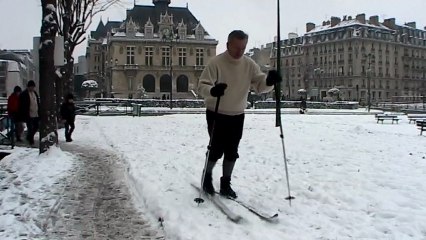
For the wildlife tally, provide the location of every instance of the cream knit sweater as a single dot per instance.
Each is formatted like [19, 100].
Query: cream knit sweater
[241, 76]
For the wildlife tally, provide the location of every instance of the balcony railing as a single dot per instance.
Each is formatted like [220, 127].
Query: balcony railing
[131, 67]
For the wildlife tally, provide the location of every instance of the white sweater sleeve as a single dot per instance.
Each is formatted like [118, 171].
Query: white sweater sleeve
[258, 81]
[207, 80]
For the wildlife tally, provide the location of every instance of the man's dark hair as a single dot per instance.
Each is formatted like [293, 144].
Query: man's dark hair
[237, 34]
[31, 83]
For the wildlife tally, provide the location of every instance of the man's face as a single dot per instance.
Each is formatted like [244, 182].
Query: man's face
[236, 47]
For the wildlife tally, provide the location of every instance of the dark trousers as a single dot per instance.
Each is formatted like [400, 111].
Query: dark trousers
[16, 127]
[69, 128]
[32, 128]
[227, 134]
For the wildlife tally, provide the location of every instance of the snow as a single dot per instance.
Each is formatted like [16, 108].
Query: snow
[25, 180]
[347, 23]
[351, 177]
[51, 7]
[89, 84]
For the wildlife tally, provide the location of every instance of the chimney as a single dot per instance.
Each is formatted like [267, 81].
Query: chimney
[324, 23]
[374, 20]
[309, 26]
[350, 18]
[390, 23]
[411, 24]
[335, 21]
[360, 18]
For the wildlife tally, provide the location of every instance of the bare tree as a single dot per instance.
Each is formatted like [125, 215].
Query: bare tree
[75, 17]
[48, 122]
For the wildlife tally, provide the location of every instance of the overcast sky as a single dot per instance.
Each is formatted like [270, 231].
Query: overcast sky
[20, 19]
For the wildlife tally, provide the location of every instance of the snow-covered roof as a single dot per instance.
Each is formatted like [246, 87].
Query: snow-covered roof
[346, 23]
[120, 34]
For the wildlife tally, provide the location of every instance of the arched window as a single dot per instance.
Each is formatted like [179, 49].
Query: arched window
[165, 83]
[149, 83]
[182, 84]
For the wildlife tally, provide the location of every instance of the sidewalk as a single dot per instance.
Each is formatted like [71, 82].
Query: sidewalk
[96, 203]
[92, 202]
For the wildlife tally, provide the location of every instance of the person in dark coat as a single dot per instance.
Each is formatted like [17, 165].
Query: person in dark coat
[13, 112]
[68, 116]
[303, 105]
[29, 105]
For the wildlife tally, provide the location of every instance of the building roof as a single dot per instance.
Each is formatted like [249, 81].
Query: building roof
[101, 30]
[140, 14]
[346, 23]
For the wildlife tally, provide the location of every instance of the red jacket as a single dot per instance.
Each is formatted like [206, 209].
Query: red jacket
[13, 104]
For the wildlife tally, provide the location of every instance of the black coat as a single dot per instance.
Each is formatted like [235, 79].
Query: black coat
[24, 105]
[68, 111]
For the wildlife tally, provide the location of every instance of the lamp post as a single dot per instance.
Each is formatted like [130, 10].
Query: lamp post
[317, 72]
[170, 37]
[369, 56]
[109, 66]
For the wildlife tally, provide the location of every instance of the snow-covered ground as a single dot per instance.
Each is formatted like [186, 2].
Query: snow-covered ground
[352, 178]
[27, 179]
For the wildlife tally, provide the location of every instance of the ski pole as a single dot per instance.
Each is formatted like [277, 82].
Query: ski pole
[199, 199]
[278, 101]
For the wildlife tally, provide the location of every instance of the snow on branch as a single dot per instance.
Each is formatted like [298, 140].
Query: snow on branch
[51, 7]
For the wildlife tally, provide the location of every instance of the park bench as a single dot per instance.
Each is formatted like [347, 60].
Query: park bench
[415, 117]
[382, 117]
[421, 124]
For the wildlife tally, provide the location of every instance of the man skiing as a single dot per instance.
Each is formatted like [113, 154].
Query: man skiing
[230, 76]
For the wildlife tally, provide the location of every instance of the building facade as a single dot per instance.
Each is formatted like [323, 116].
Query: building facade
[356, 56]
[14, 74]
[158, 51]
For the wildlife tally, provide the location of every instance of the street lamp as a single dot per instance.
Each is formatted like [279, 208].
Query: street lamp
[170, 37]
[317, 72]
[369, 56]
[109, 66]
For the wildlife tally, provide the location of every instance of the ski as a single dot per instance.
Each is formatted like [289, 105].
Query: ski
[220, 205]
[260, 214]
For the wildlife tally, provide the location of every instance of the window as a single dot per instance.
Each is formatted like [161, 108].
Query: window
[199, 57]
[130, 55]
[149, 54]
[182, 56]
[165, 56]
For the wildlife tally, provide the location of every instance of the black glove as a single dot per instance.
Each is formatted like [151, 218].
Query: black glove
[218, 89]
[273, 78]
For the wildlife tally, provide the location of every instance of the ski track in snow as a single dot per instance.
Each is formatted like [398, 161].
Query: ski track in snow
[352, 178]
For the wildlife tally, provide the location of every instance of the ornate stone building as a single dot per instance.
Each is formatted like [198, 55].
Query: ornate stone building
[355, 55]
[157, 51]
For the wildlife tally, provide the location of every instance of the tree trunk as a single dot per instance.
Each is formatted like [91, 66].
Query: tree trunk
[48, 122]
[60, 82]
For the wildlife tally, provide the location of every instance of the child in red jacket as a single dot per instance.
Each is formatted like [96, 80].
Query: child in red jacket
[13, 112]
